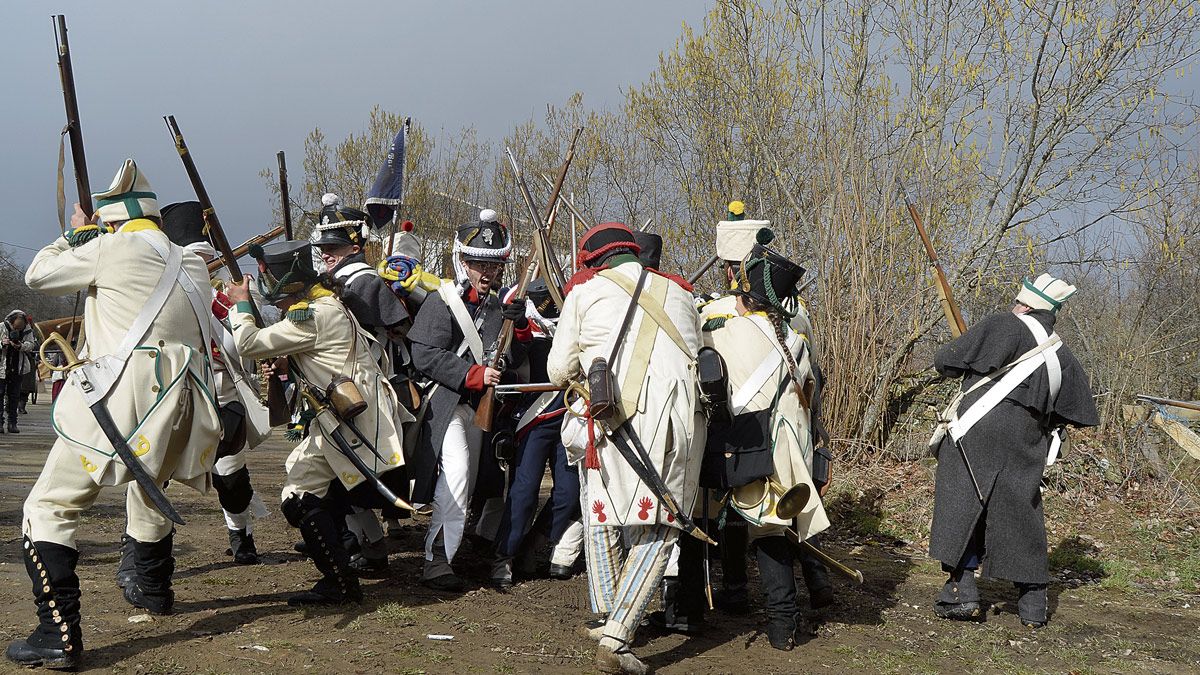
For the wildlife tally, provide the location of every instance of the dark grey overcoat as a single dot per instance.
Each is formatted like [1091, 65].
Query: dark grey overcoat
[435, 338]
[1006, 449]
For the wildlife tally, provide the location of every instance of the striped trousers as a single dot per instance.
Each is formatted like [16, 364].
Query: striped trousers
[621, 582]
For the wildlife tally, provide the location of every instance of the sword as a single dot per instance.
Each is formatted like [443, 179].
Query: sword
[319, 405]
[109, 427]
[707, 568]
[970, 472]
[623, 437]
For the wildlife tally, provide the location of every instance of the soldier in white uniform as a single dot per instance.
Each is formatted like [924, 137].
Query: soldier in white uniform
[162, 398]
[762, 444]
[323, 342]
[656, 390]
[340, 236]
[735, 240]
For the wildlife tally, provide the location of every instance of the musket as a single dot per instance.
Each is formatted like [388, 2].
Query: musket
[486, 410]
[74, 132]
[1186, 405]
[244, 248]
[695, 276]
[527, 388]
[949, 307]
[285, 200]
[320, 405]
[569, 205]
[106, 423]
[66, 74]
[277, 407]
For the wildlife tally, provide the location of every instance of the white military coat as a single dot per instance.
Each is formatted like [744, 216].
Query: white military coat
[745, 343]
[666, 413]
[167, 383]
[319, 347]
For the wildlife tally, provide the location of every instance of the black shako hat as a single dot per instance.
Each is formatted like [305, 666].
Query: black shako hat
[539, 294]
[339, 225]
[651, 253]
[486, 240]
[183, 223]
[284, 268]
[771, 279]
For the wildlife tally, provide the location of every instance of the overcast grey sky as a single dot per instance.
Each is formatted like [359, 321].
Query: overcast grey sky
[246, 78]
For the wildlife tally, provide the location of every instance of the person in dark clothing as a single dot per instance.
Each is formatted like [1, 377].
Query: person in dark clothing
[539, 445]
[16, 344]
[1021, 387]
[453, 341]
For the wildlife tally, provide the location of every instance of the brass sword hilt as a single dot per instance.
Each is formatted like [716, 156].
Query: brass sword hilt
[73, 360]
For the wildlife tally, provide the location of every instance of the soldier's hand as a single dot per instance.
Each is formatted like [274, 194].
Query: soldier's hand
[239, 292]
[491, 377]
[515, 312]
[79, 218]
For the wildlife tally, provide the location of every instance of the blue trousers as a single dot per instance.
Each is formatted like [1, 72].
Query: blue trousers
[539, 448]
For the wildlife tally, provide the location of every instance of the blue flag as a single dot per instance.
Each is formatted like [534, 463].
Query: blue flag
[387, 193]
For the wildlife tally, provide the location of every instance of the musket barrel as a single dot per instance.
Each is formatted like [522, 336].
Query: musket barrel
[284, 198]
[67, 74]
[215, 231]
[242, 250]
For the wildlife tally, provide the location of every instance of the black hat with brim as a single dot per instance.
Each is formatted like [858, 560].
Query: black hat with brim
[183, 223]
[770, 279]
[338, 236]
[285, 268]
[539, 294]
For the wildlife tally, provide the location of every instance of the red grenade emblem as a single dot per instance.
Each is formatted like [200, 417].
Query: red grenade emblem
[598, 509]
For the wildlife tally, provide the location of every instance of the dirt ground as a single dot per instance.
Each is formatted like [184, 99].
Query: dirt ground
[234, 619]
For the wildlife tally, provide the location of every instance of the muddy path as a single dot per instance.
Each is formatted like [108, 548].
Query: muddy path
[234, 619]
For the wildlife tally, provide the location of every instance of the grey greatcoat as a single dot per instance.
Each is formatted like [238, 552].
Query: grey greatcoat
[1006, 449]
[436, 340]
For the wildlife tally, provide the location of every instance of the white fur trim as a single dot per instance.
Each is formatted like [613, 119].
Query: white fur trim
[477, 251]
[321, 227]
[330, 199]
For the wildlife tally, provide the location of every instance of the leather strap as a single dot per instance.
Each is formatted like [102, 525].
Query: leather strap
[658, 313]
[1013, 374]
[458, 310]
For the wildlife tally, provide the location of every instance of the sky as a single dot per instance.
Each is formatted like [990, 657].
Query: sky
[247, 78]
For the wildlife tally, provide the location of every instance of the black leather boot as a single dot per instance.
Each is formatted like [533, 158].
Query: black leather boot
[777, 569]
[816, 578]
[323, 535]
[241, 547]
[959, 598]
[57, 642]
[734, 598]
[1032, 605]
[126, 574]
[154, 564]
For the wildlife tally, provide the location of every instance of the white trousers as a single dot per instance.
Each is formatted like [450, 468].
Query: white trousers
[64, 491]
[567, 549]
[456, 480]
